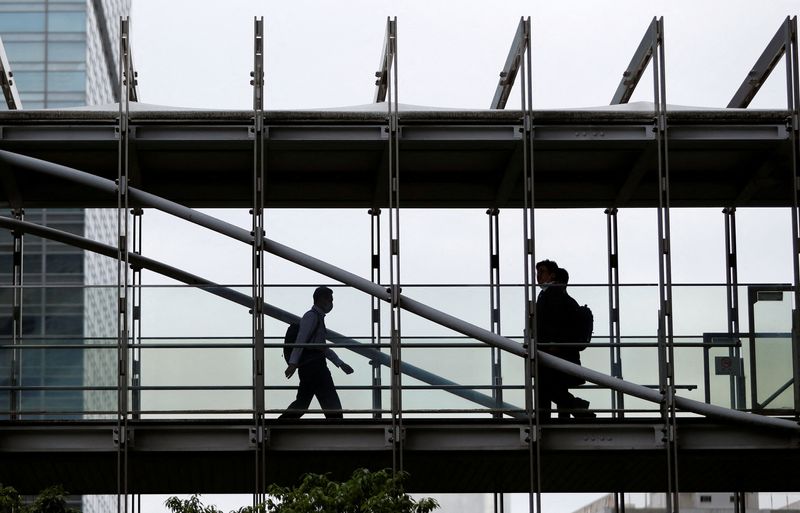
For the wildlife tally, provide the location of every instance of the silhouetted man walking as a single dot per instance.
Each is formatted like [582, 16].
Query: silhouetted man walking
[315, 378]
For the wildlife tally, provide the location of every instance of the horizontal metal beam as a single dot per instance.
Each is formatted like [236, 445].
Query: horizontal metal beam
[215, 456]
[761, 70]
[641, 58]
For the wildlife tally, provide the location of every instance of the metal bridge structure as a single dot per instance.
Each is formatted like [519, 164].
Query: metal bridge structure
[668, 435]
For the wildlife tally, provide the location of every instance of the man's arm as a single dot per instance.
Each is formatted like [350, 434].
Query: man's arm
[331, 355]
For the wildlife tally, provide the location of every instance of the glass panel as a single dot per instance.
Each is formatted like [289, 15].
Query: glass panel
[32, 81]
[66, 52]
[22, 22]
[66, 21]
[773, 351]
[64, 263]
[66, 80]
[24, 52]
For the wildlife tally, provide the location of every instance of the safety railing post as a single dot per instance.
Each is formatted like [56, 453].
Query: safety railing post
[258, 131]
[614, 334]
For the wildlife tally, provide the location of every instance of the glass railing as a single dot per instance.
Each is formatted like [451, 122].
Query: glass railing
[191, 353]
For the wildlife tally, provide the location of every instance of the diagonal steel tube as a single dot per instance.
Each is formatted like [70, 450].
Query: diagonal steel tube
[247, 301]
[145, 199]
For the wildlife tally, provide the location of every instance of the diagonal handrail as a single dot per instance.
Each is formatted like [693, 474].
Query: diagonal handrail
[240, 298]
[146, 199]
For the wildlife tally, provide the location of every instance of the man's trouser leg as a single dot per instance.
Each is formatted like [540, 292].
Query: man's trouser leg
[326, 394]
[305, 392]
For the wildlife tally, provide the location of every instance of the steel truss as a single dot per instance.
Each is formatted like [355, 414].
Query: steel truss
[518, 62]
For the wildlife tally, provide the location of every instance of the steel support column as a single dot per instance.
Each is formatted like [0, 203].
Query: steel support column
[258, 433]
[390, 65]
[732, 296]
[614, 337]
[375, 309]
[136, 324]
[494, 321]
[494, 306]
[793, 105]
[532, 407]
[665, 320]
[123, 284]
[16, 317]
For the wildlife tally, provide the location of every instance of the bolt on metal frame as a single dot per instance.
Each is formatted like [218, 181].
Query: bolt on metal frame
[259, 433]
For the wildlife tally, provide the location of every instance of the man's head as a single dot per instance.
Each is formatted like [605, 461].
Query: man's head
[546, 271]
[323, 298]
[561, 276]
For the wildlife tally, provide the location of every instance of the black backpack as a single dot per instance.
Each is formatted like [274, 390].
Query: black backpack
[583, 324]
[290, 338]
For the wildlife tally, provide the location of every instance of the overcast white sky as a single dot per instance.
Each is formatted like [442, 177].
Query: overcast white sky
[192, 53]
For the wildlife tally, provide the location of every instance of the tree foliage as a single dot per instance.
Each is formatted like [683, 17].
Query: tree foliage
[49, 500]
[364, 492]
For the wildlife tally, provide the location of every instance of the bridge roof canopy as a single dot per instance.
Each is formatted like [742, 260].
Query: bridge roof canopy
[339, 158]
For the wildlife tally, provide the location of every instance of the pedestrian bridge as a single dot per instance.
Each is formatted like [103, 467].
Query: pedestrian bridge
[449, 398]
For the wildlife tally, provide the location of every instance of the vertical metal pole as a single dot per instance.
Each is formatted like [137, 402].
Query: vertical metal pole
[123, 285]
[619, 502]
[494, 306]
[732, 295]
[614, 337]
[16, 283]
[528, 217]
[499, 506]
[394, 247]
[793, 105]
[375, 309]
[494, 321]
[257, 267]
[665, 335]
[136, 369]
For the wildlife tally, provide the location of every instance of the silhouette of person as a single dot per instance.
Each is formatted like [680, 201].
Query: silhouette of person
[554, 309]
[315, 378]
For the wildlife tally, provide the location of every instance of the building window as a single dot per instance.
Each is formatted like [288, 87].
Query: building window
[66, 80]
[30, 81]
[25, 51]
[705, 498]
[66, 52]
[66, 22]
[22, 22]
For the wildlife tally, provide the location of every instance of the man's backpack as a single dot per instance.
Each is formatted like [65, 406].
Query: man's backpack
[290, 338]
[583, 324]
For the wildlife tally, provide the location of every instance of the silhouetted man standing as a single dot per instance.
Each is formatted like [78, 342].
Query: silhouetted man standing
[315, 378]
[554, 314]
